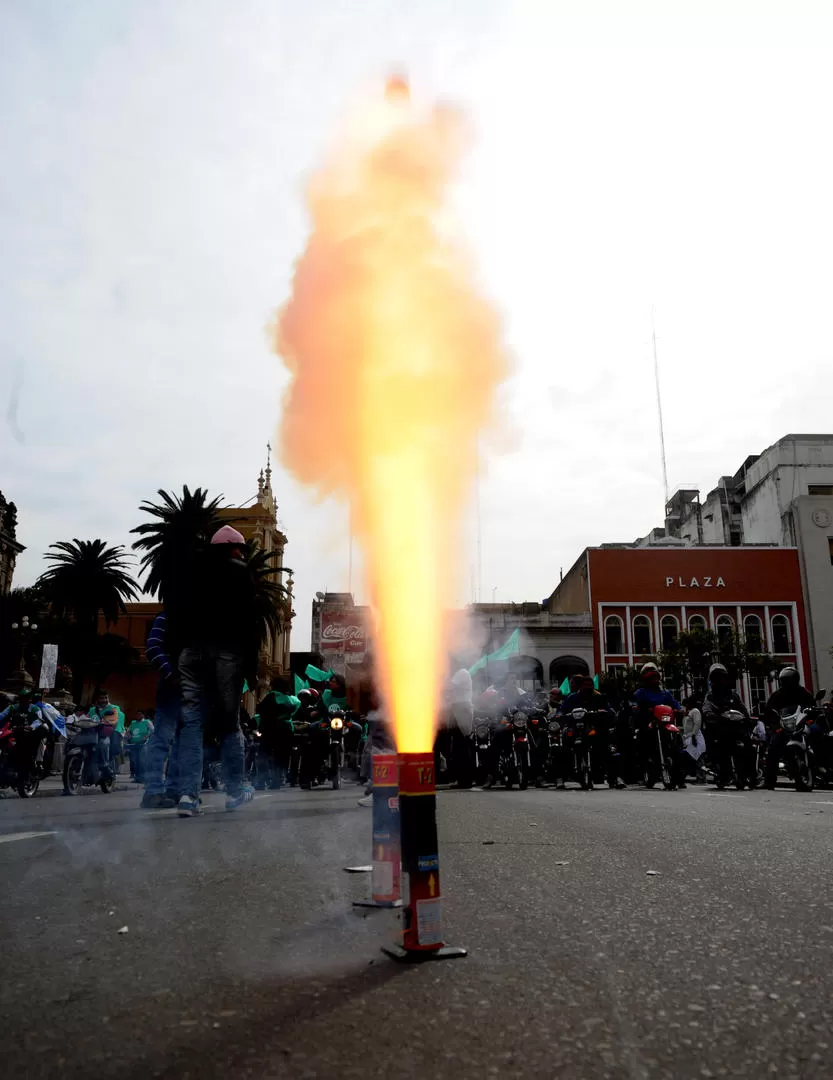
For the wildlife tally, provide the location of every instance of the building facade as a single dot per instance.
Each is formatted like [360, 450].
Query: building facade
[136, 688]
[783, 496]
[9, 547]
[640, 598]
[553, 646]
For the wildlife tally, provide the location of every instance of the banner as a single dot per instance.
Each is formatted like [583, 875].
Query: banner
[48, 667]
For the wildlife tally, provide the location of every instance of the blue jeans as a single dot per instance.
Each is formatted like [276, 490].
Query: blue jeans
[212, 685]
[115, 750]
[161, 747]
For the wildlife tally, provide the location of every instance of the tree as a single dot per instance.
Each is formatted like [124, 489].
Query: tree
[183, 526]
[272, 599]
[686, 662]
[87, 577]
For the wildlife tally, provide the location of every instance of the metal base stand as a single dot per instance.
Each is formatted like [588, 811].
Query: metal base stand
[420, 956]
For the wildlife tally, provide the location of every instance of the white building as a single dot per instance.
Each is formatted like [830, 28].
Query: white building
[783, 496]
[552, 646]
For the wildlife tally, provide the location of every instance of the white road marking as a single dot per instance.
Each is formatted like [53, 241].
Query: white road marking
[723, 795]
[24, 836]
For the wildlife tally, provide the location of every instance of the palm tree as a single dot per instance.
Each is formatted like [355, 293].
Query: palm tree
[86, 577]
[182, 527]
[272, 599]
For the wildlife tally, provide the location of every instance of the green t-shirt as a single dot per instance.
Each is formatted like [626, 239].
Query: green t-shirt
[96, 713]
[139, 730]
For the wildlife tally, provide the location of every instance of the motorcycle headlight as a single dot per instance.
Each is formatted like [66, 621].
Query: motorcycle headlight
[579, 714]
[520, 722]
[554, 725]
[482, 732]
[336, 723]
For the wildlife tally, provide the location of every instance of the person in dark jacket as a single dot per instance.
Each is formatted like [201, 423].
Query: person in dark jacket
[789, 695]
[721, 735]
[604, 721]
[160, 773]
[215, 627]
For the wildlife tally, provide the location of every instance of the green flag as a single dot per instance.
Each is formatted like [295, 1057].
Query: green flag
[300, 684]
[511, 647]
[287, 699]
[317, 675]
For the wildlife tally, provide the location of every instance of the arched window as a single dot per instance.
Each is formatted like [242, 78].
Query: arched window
[697, 624]
[753, 632]
[643, 639]
[781, 636]
[669, 629]
[725, 629]
[614, 636]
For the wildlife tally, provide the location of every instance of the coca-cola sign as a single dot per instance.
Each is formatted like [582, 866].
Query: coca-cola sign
[342, 631]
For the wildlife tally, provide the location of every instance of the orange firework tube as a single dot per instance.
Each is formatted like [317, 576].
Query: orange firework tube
[422, 937]
[385, 881]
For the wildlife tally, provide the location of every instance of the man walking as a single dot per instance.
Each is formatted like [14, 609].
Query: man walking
[160, 771]
[217, 626]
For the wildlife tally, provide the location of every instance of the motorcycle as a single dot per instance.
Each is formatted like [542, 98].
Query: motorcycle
[736, 751]
[798, 753]
[26, 780]
[82, 760]
[336, 752]
[554, 748]
[662, 745]
[576, 741]
[481, 738]
[514, 761]
[759, 752]
[537, 719]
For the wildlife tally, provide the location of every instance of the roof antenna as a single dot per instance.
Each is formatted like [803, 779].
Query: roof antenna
[659, 413]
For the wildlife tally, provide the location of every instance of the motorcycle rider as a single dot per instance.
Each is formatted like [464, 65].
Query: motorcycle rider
[114, 741]
[461, 717]
[720, 697]
[650, 693]
[789, 695]
[276, 712]
[29, 730]
[587, 697]
[311, 712]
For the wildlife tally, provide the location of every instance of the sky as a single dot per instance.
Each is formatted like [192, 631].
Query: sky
[670, 157]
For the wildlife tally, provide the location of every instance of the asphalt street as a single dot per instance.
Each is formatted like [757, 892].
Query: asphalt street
[243, 955]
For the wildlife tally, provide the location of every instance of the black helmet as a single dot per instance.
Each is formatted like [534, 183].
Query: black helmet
[718, 670]
[788, 676]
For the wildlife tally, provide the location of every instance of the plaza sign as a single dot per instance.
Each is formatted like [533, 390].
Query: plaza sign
[695, 583]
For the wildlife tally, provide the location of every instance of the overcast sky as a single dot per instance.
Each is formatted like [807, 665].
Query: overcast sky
[151, 207]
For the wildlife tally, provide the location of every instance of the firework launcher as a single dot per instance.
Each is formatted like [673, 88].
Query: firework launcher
[385, 879]
[422, 937]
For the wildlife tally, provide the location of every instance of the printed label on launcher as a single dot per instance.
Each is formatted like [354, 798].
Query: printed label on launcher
[429, 922]
[381, 882]
[428, 862]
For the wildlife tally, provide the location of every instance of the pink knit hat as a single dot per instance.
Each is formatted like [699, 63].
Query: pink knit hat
[227, 535]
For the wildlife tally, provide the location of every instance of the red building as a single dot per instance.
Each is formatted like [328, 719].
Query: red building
[641, 597]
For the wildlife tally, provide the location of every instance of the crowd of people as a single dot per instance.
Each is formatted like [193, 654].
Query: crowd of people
[204, 646]
[703, 735]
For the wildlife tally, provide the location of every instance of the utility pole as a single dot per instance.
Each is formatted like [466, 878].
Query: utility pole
[659, 413]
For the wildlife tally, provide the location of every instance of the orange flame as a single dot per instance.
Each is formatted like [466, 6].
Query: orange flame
[395, 357]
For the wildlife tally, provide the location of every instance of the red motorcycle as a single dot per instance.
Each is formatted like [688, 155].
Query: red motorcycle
[662, 749]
